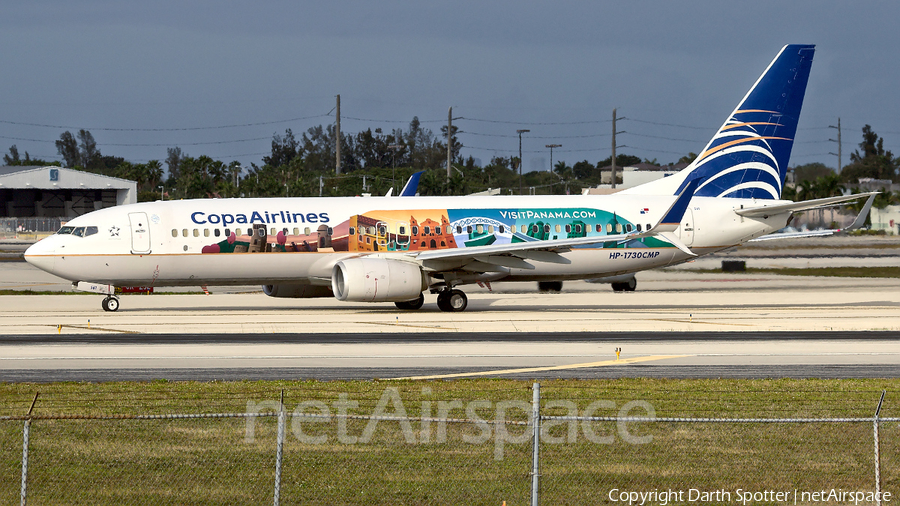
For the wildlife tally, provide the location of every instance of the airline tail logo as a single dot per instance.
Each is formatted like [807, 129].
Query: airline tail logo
[741, 158]
[748, 156]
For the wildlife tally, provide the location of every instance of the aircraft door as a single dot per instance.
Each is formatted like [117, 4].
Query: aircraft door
[140, 233]
[686, 230]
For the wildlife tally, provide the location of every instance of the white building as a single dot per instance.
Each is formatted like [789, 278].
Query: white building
[886, 219]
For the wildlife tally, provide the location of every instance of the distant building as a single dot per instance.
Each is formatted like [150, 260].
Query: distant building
[887, 219]
[631, 176]
[58, 192]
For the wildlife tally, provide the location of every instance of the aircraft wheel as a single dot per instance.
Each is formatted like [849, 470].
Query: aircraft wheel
[411, 304]
[550, 286]
[631, 284]
[618, 287]
[110, 304]
[453, 301]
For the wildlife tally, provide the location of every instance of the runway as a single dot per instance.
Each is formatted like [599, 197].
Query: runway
[677, 324]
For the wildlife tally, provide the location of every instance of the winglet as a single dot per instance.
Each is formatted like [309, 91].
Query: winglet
[412, 185]
[861, 217]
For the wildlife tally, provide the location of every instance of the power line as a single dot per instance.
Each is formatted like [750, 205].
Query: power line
[535, 136]
[536, 124]
[102, 129]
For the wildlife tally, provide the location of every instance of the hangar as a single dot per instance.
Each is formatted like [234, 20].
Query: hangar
[58, 192]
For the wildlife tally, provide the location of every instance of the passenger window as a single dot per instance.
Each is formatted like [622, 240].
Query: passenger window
[558, 228]
[205, 232]
[273, 232]
[90, 231]
[501, 228]
[458, 229]
[490, 229]
[427, 230]
[306, 231]
[351, 232]
[437, 230]
[174, 232]
[479, 229]
[227, 232]
[415, 230]
[469, 229]
[535, 228]
[184, 232]
[216, 232]
[648, 227]
[401, 230]
[618, 228]
[628, 227]
[297, 231]
[196, 233]
[237, 231]
[609, 228]
[599, 228]
[638, 227]
[568, 228]
[546, 229]
[577, 229]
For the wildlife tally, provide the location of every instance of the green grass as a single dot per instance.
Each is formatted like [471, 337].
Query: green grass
[208, 461]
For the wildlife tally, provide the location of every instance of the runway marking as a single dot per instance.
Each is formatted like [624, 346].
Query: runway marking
[690, 322]
[102, 329]
[547, 368]
[395, 324]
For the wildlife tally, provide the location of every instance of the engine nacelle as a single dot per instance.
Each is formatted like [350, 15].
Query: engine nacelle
[377, 280]
[296, 291]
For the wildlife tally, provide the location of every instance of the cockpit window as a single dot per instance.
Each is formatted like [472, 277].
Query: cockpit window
[65, 230]
[78, 232]
[90, 231]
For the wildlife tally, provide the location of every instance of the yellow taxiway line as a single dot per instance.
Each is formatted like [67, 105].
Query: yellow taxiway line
[544, 369]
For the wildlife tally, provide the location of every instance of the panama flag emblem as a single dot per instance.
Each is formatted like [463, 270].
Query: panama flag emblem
[645, 210]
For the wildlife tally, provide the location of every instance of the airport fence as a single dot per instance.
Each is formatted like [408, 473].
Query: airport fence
[384, 449]
[28, 229]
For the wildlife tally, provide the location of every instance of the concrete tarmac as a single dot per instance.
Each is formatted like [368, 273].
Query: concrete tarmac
[677, 324]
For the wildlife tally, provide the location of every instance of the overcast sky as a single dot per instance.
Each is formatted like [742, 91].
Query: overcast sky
[134, 72]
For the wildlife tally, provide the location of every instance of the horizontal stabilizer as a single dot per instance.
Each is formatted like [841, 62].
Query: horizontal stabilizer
[800, 206]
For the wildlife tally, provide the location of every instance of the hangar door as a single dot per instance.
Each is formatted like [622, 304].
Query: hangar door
[140, 233]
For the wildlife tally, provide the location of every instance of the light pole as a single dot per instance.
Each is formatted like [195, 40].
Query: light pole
[551, 146]
[520, 132]
[162, 190]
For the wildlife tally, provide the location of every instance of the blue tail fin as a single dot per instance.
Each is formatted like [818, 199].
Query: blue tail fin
[748, 156]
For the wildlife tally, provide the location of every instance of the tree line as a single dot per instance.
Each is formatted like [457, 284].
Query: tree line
[374, 161]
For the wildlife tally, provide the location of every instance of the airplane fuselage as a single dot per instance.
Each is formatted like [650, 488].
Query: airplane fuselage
[210, 242]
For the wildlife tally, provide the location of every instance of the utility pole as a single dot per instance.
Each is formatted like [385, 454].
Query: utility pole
[613, 159]
[449, 139]
[551, 146]
[838, 141]
[394, 148]
[520, 132]
[337, 137]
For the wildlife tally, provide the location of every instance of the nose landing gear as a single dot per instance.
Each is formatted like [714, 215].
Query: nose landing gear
[110, 303]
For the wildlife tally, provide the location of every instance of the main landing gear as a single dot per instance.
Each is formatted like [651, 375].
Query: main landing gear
[625, 286]
[452, 300]
[449, 300]
[411, 305]
[110, 303]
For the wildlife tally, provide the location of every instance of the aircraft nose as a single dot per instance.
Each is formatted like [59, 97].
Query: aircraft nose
[40, 255]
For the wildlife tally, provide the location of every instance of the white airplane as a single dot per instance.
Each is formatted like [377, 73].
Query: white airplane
[392, 249]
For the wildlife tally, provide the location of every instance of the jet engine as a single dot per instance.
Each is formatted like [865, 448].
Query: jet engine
[296, 291]
[377, 280]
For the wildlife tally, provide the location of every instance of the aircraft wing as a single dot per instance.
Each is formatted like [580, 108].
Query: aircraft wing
[514, 255]
[858, 222]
